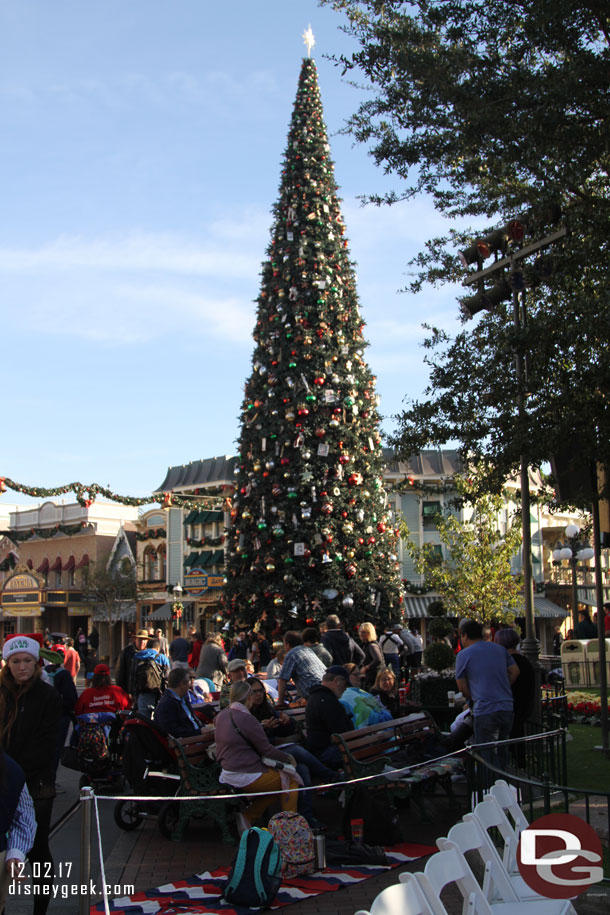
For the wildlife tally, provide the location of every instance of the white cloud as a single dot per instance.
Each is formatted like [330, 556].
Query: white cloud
[133, 252]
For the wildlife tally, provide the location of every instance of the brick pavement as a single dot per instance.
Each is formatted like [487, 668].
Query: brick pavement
[145, 859]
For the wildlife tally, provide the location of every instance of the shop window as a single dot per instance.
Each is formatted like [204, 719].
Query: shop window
[161, 554]
[429, 511]
[57, 579]
[151, 565]
[71, 578]
[436, 553]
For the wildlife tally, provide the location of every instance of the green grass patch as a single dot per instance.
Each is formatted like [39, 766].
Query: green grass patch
[587, 767]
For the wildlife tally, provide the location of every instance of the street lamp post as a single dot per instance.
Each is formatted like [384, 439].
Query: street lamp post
[574, 551]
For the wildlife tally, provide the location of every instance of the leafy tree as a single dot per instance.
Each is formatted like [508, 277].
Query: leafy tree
[475, 579]
[311, 531]
[498, 108]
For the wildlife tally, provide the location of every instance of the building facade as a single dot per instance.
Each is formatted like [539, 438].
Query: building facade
[59, 546]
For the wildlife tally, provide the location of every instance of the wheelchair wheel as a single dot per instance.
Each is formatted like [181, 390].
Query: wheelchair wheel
[168, 818]
[127, 815]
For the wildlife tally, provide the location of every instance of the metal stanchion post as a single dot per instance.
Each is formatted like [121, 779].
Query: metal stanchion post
[86, 802]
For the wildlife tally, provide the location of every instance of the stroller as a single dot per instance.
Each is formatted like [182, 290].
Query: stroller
[149, 767]
[95, 749]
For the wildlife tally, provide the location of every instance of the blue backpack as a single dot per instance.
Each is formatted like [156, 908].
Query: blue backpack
[256, 874]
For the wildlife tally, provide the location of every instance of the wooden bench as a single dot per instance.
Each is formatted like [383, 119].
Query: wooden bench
[199, 775]
[368, 751]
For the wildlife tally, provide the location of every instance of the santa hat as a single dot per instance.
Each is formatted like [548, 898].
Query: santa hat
[19, 643]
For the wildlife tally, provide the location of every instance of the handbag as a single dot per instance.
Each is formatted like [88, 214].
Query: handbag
[266, 760]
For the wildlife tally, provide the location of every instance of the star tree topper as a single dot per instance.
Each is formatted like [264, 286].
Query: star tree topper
[308, 39]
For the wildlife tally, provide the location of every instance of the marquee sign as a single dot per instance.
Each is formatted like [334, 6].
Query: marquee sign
[196, 582]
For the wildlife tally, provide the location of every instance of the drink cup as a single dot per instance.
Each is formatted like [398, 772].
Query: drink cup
[451, 698]
[357, 830]
[402, 695]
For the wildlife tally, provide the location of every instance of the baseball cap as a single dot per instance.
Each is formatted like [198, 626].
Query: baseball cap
[101, 669]
[236, 663]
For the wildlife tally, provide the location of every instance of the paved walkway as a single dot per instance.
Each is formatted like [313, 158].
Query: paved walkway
[145, 859]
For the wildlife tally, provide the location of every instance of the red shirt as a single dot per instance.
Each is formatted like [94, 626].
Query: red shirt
[101, 699]
[71, 661]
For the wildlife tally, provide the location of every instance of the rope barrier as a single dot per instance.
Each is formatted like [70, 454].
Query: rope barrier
[394, 773]
[100, 849]
[88, 794]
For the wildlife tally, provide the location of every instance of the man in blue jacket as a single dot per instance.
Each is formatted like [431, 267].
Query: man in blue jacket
[174, 714]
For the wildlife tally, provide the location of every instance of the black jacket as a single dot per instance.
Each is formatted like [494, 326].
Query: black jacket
[342, 647]
[33, 737]
[123, 666]
[324, 715]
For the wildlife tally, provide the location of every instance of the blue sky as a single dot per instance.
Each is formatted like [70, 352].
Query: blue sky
[141, 151]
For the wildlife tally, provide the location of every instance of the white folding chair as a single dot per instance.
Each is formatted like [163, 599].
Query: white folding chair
[450, 867]
[405, 898]
[507, 799]
[490, 815]
[496, 883]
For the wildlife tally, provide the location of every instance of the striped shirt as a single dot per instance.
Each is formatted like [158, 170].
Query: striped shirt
[23, 828]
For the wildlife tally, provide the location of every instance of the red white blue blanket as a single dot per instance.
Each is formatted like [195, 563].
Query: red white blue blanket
[201, 894]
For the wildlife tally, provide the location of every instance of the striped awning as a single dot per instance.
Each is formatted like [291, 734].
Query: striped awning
[546, 609]
[417, 607]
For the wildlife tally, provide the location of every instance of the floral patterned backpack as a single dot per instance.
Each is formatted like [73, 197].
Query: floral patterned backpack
[294, 838]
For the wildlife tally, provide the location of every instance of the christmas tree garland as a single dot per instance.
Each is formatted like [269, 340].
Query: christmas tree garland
[87, 494]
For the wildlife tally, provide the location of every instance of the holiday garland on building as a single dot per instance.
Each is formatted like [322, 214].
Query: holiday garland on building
[311, 529]
[210, 498]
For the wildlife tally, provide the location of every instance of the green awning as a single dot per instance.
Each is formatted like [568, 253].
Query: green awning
[211, 557]
[208, 516]
[190, 518]
[191, 560]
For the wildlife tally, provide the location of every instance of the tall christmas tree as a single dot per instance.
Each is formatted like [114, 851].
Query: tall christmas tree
[311, 530]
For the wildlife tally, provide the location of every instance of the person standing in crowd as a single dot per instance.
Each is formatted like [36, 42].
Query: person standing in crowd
[213, 662]
[341, 645]
[71, 658]
[557, 640]
[178, 651]
[585, 627]
[485, 673]
[418, 646]
[94, 639]
[523, 688]
[149, 673]
[373, 657]
[300, 665]
[125, 659]
[81, 643]
[311, 639]
[30, 711]
[239, 649]
[391, 645]
[195, 646]
[163, 643]
[60, 679]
